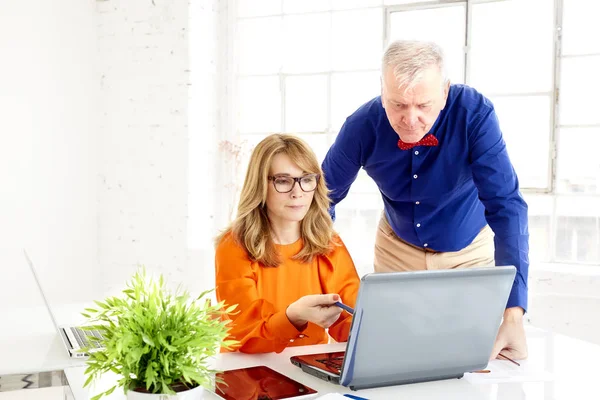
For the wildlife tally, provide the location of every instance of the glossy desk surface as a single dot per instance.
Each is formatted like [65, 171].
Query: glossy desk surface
[558, 367]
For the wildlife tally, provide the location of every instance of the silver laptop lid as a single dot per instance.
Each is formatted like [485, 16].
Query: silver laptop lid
[39, 285]
[415, 326]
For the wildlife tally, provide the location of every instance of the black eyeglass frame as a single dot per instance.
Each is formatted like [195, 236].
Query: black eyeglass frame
[296, 180]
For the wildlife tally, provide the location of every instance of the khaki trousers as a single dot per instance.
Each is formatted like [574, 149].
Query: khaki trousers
[393, 254]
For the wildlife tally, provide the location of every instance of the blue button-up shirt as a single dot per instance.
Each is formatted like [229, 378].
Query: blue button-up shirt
[440, 197]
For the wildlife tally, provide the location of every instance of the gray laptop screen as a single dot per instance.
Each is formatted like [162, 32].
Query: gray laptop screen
[428, 323]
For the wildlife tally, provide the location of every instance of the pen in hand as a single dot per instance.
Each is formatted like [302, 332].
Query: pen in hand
[509, 359]
[341, 305]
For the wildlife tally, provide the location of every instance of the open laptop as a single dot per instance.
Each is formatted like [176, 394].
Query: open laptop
[418, 326]
[75, 338]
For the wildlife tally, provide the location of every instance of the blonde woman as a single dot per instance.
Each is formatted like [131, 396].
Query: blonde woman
[280, 259]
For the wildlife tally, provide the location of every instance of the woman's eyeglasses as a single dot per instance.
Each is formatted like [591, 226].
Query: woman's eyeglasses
[285, 184]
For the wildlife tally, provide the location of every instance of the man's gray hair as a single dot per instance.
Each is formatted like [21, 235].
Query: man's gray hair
[410, 58]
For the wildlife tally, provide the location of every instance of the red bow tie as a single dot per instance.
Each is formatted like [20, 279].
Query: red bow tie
[428, 140]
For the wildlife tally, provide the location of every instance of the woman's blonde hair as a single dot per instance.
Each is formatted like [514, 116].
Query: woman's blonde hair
[252, 229]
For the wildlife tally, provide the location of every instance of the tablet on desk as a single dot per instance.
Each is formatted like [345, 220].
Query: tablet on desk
[260, 383]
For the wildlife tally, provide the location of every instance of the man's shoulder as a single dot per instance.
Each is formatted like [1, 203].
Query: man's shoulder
[468, 110]
[468, 98]
[370, 111]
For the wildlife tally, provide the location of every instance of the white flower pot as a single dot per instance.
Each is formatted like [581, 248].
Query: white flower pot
[196, 393]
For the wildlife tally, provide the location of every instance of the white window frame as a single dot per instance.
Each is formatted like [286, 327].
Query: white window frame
[229, 98]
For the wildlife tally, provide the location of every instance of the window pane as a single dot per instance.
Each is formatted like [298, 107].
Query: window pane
[349, 91]
[307, 41]
[252, 8]
[318, 142]
[306, 103]
[443, 25]
[362, 186]
[259, 104]
[581, 30]
[578, 162]
[348, 4]
[580, 85]
[297, 6]
[578, 229]
[258, 45]
[525, 124]
[357, 48]
[540, 214]
[520, 59]
[356, 221]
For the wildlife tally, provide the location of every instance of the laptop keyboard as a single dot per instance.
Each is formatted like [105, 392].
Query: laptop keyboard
[332, 362]
[82, 337]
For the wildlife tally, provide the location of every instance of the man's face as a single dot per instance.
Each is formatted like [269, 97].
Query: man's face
[413, 112]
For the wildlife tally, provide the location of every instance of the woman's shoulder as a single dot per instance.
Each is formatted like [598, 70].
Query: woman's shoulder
[227, 244]
[338, 258]
[337, 247]
[224, 239]
[336, 241]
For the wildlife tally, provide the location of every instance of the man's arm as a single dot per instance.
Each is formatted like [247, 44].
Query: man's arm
[505, 208]
[506, 213]
[342, 163]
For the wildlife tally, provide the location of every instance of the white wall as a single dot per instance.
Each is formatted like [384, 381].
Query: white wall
[95, 100]
[145, 142]
[208, 116]
[48, 129]
[143, 145]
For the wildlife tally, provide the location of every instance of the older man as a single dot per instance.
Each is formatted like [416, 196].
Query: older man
[451, 196]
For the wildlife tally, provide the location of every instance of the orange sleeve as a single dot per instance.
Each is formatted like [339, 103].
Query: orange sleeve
[258, 326]
[342, 279]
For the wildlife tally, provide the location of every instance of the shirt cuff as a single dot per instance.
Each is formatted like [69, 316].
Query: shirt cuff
[280, 326]
[518, 297]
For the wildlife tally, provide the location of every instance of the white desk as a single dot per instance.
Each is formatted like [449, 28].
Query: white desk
[30, 343]
[33, 345]
[564, 368]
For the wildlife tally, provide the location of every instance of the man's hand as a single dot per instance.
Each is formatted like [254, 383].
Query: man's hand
[316, 308]
[511, 336]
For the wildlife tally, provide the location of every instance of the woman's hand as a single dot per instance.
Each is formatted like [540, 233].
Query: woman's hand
[316, 308]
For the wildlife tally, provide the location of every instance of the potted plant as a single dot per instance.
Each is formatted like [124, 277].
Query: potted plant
[158, 342]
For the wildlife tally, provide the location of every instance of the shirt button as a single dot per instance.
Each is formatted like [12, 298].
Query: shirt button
[301, 336]
[418, 225]
[417, 202]
[291, 340]
[415, 176]
[425, 245]
[416, 152]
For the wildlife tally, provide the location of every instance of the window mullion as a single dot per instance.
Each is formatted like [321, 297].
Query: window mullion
[468, 36]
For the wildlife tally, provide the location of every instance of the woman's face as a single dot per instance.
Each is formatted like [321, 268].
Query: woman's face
[290, 207]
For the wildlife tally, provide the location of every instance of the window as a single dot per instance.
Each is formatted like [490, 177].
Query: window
[302, 66]
[444, 25]
[578, 135]
[514, 68]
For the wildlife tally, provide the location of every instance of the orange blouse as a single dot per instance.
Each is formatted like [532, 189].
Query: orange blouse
[264, 293]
